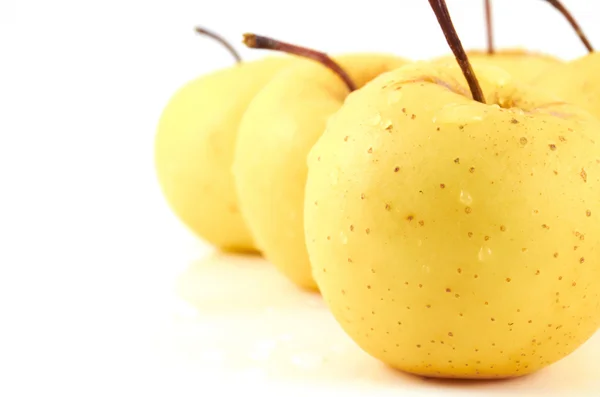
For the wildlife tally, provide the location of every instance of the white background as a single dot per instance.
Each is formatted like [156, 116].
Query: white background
[89, 253]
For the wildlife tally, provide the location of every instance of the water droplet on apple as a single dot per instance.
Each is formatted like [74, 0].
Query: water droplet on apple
[459, 113]
[394, 97]
[465, 198]
[343, 238]
[484, 253]
[386, 124]
[376, 119]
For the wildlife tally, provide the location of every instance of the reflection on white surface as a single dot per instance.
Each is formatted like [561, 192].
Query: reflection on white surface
[170, 326]
[255, 318]
[244, 322]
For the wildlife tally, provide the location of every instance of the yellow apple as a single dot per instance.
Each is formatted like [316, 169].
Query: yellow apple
[281, 124]
[194, 150]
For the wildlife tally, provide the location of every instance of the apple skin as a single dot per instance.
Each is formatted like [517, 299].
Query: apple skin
[278, 129]
[523, 65]
[194, 150]
[455, 239]
[577, 82]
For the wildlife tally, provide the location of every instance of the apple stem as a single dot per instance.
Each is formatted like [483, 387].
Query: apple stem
[561, 8]
[218, 38]
[489, 27]
[443, 16]
[266, 43]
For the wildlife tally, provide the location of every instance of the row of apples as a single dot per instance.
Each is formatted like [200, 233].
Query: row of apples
[445, 209]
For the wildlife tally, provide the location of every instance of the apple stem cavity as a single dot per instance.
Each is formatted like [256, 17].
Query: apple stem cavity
[443, 16]
[489, 27]
[221, 40]
[561, 8]
[266, 43]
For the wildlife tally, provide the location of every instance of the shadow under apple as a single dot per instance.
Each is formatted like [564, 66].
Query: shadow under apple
[246, 318]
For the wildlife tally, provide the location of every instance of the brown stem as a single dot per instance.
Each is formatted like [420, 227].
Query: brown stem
[489, 27]
[561, 8]
[443, 16]
[267, 43]
[218, 38]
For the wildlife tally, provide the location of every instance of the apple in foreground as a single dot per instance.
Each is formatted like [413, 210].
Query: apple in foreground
[455, 234]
